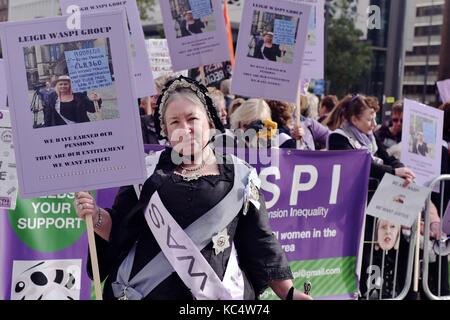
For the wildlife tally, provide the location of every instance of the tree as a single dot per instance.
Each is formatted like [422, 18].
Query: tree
[348, 58]
[144, 6]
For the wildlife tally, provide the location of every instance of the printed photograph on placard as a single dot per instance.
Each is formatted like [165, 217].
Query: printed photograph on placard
[192, 17]
[273, 37]
[422, 136]
[70, 83]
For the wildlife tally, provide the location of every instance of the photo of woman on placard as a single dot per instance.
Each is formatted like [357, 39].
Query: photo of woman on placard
[66, 107]
[267, 50]
[189, 25]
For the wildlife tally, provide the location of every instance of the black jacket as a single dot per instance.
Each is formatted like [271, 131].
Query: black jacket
[260, 255]
[377, 171]
[82, 104]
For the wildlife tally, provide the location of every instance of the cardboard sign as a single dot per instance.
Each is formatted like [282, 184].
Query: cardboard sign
[263, 68]
[60, 144]
[398, 204]
[194, 41]
[143, 78]
[421, 147]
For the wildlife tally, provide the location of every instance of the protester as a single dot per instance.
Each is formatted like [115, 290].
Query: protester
[219, 102]
[208, 188]
[236, 103]
[390, 135]
[65, 107]
[356, 121]
[309, 105]
[310, 132]
[326, 105]
[149, 135]
[253, 126]
[225, 88]
[147, 107]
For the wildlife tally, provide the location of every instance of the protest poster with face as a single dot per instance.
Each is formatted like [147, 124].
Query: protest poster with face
[195, 32]
[66, 140]
[314, 59]
[270, 49]
[141, 64]
[421, 147]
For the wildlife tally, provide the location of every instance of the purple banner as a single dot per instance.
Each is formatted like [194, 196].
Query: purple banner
[43, 251]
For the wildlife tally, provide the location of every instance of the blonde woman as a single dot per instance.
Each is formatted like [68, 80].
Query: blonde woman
[66, 107]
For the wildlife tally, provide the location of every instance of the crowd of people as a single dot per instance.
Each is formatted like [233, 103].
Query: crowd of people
[200, 184]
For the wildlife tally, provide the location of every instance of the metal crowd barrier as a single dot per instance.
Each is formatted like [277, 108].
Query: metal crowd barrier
[379, 290]
[426, 263]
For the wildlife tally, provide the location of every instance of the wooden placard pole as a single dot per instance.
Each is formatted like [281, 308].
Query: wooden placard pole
[93, 255]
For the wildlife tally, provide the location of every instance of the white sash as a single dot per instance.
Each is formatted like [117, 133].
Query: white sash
[187, 260]
[58, 110]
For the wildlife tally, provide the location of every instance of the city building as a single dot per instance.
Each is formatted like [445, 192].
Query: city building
[3, 10]
[444, 61]
[421, 66]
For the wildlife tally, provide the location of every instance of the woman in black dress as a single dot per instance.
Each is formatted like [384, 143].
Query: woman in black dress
[267, 50]
[66, 107]
[212, 199]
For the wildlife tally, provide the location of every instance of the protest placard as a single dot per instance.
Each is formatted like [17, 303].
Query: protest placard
[396, 203]
[60, 143]
[444, 90]
[263, 68]
[158, 52]
[2, 85]
[8, 172]
[194, 42]
[421, 147]
[141, 63]
[314, 59]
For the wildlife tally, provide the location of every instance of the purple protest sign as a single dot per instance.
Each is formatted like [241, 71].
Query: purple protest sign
[316, 203]
[421, 147]
[194, 42]
[43, 251]
[77, 142]
[143, 77]
[263, 68]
